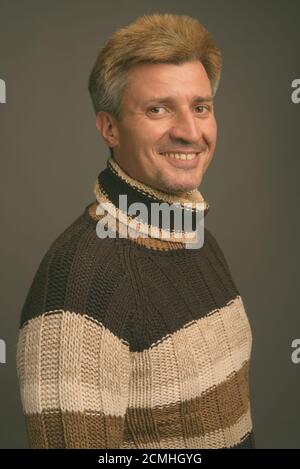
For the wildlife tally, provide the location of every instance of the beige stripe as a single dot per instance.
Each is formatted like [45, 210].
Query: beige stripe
[50, 355]
[74, 363]
[105, 371]
[28, 365]
[68, 361]
[191, 360]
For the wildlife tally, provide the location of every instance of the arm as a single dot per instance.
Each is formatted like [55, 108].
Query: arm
[74, 381]
[73, 358]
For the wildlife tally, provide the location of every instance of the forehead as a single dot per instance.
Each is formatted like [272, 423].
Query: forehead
[188, 79]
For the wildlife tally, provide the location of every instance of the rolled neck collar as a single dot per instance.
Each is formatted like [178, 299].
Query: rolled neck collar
[114, 182]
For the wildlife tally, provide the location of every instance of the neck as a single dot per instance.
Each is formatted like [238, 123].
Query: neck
[130, 203]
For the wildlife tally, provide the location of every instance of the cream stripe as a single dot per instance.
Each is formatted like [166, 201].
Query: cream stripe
[127, 222]
[193, 359]
[73, 364]
[105, 371]
[94, 365]
[29, 346]
[49, 356]
[70, 339]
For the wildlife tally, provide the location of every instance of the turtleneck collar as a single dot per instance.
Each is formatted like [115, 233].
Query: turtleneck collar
[120, 213]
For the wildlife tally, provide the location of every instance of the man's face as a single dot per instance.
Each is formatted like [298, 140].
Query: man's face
[165, 115]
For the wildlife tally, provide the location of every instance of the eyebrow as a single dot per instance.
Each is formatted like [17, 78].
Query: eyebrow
[163, 99]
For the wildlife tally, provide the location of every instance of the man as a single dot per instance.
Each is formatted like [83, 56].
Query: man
[131, 340]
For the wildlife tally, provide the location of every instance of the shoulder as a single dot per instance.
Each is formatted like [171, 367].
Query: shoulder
[213, 245]
[79, 273]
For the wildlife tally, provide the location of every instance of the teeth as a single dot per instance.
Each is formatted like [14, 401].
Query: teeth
[181, 156]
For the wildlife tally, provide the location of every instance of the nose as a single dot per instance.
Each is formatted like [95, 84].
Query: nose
[185, 128]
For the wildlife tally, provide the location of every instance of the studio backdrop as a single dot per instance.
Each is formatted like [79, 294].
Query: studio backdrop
[51, 151]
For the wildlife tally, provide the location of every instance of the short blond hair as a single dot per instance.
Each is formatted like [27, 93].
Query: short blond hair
[156, 38]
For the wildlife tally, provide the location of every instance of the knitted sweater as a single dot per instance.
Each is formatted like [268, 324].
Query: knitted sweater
[134, 342]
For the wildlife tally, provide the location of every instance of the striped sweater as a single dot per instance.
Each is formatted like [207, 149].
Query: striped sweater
[134, 342]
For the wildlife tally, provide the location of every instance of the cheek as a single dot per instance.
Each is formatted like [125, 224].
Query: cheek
[211, 132]
[153, 132]
[130, 137]
[215, 129]
[146, 134]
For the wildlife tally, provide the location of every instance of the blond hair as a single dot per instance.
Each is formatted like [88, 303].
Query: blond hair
[156, 38]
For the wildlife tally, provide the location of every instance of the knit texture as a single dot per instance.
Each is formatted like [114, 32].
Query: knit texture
[134, 342]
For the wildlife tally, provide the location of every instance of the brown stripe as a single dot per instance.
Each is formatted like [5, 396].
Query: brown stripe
[99, 431]
[217, 409]
[35, 431]
[54, 430]
[74, 430]
[227, 438]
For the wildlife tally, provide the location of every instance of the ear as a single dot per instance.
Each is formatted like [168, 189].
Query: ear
[107, 128]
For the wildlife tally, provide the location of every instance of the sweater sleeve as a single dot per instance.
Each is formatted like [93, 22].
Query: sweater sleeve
[73, 358]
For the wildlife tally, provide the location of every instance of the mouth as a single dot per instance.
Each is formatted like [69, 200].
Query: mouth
[182, 156]
[182, 160]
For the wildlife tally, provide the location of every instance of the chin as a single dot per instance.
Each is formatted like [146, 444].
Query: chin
[172, 181]
[188, 184]
[182, 186]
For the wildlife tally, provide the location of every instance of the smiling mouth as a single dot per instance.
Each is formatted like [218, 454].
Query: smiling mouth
[180, 156]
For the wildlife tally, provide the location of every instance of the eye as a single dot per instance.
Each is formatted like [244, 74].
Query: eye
[202, 107]
[155, 107]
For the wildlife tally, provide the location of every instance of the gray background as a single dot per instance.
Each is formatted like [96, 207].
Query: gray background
[51, 154]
